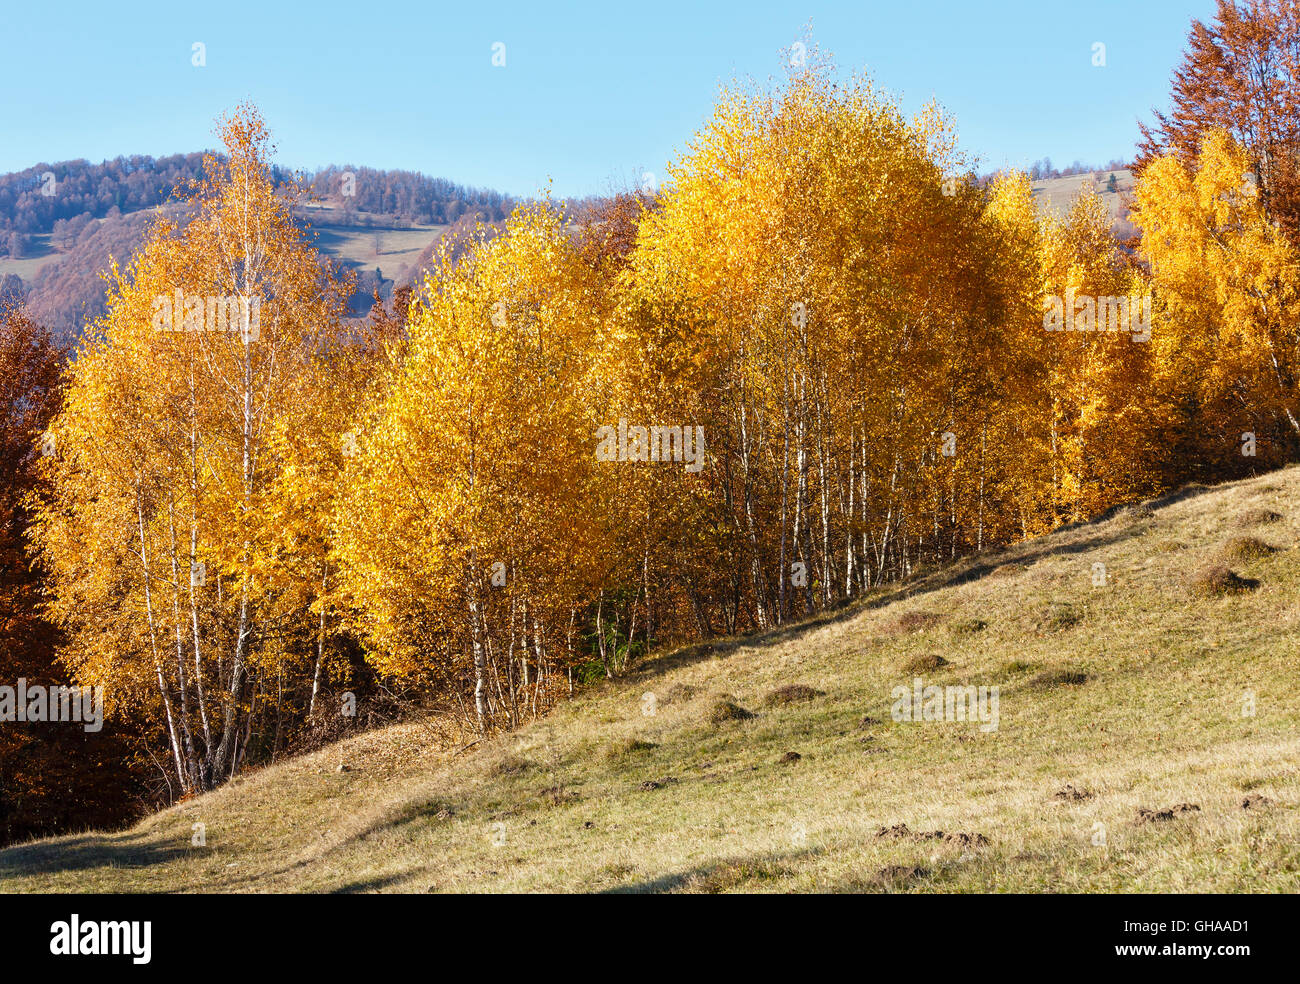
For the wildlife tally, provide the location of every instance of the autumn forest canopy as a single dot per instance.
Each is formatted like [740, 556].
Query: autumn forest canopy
[820, 359]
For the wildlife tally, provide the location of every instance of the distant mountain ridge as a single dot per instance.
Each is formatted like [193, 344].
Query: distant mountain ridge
[62, 223]
[34, 200]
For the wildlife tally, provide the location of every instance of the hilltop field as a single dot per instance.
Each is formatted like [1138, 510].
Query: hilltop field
[1146, 741]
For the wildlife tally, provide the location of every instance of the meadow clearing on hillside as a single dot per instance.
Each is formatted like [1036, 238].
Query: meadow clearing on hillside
[1147, 742]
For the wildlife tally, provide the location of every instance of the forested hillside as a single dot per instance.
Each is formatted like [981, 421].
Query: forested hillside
[61, 223]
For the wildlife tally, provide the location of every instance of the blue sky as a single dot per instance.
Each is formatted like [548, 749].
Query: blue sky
[592, 94]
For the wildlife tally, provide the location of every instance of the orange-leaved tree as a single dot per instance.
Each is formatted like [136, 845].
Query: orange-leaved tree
[160, 526]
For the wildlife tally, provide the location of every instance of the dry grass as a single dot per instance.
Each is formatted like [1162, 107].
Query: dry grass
[792, 693]
[726, 710]
[1187, 701]
[917, 621]
[679, 693]
[1217, 580]
[626, 747]
[924, 663]
[1241, 549]
[1256, 517]
[1058, 617]
[1051, 679]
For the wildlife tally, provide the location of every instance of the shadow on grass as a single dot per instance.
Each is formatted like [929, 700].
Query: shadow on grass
[369, 885]
[719, 876]
[125, 850]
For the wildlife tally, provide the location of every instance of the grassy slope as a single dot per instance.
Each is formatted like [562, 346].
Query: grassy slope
[1055, 195]
[1158, 722]
[355, 245]
[39, 253]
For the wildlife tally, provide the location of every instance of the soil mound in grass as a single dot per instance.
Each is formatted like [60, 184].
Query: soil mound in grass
[1244, 548]
[1051, 679]
[918, 621]
[1256, 517]
[925, 663]
[1218, 580]
[793, 694]
[900, 831]
[1072, 793]
[727, 710]
[1161, 816]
